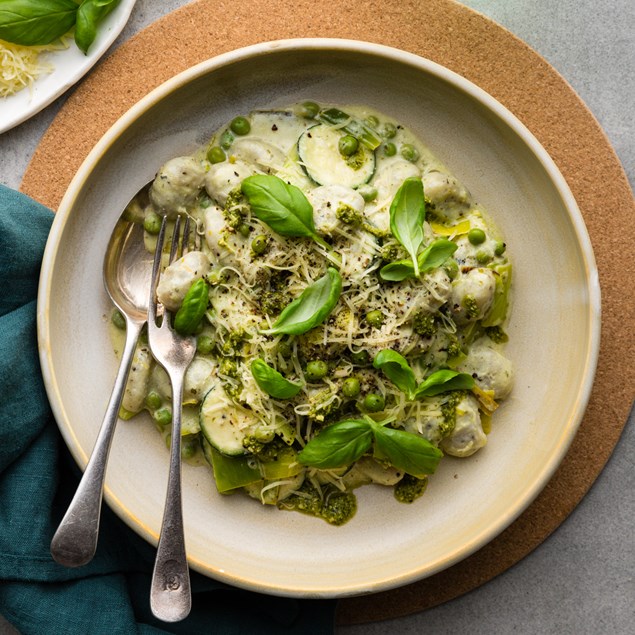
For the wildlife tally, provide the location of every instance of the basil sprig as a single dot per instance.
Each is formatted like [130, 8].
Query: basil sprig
[272, 382]
[344, 442]
[282, 206]
[433, 256]
[39, 22]
[407, 213]
[312, 307]
[396, 368]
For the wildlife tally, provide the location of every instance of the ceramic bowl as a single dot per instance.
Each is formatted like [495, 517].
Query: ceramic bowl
[554, 328]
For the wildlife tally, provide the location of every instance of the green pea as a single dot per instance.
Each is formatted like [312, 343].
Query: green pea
[389, 131]
[390, 149]
[189, 446]
[259, 244]
[483, 257]
[348, 145]
[309, 110]
[204, 344]
[163, 416]
[375, 318]
[360, 358]
[152, 222]
[216, 276]
[452, 268]
[368, 192]
[244, 230]
[500, 248]
[476, 236]
[351, 387]
[374, 402]
[204, 200]
[316, 370]
[285, 349]
[409, 152]
[240, 126]
[216, 154]
[226, 140]
[153, 400]
[118, 319]
[371, 121]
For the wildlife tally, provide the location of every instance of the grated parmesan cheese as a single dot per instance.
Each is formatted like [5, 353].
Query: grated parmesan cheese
[20, 65]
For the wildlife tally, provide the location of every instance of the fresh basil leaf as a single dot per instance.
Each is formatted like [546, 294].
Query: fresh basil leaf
[35, 22]
[192, 309]
[340, 444]
[407, 213]
[443, 381]
[344, 121]
[406, 451]
[312, 307]
[89, 15]
[397, 271]
[272, 382]
[283, 206]
[433, 256]
[397, 369]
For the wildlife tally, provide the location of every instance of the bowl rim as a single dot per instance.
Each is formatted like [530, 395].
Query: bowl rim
[396, 56]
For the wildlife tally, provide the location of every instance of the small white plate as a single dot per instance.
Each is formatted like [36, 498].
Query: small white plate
[70, 65]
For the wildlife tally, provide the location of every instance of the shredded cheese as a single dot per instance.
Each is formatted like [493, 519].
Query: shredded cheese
[20, 65]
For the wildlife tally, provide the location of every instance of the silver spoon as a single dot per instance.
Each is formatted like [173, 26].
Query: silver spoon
[127, 274]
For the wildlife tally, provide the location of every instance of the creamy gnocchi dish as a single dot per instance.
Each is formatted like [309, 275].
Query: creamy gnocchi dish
[349, 300]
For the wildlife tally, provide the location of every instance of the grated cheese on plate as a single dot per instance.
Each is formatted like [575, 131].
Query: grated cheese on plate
[20, 65]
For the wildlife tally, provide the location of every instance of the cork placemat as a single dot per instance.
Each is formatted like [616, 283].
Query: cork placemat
[491, 57]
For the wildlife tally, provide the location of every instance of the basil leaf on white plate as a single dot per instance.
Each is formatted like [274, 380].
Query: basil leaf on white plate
[36, 22]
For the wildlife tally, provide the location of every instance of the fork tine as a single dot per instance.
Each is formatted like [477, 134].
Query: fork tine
[185, 243]
[175, 239]
[156, 269]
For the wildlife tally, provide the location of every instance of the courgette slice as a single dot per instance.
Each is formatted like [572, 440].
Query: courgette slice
[321, 159]
[224, 423]
[231, 472]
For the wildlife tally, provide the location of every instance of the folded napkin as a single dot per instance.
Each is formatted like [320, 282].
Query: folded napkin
[38, 478]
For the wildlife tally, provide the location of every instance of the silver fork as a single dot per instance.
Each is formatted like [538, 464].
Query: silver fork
[170, 593]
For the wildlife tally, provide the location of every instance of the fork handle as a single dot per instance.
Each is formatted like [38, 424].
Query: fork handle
[170, 594]
[75, 540]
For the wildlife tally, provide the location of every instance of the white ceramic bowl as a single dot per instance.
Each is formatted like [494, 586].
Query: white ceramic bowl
[554, 331]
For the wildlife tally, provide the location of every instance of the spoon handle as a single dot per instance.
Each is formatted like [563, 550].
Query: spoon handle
[75, 540]
[170, 594]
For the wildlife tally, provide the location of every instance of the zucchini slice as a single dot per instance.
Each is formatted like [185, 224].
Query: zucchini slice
[224, 423]
[321, 159]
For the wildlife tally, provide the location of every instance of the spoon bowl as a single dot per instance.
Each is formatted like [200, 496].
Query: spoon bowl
[127, 273]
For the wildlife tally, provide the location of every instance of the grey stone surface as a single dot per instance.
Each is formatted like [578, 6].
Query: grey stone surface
[581, 580]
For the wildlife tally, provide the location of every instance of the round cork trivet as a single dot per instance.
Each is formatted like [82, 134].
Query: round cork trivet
[494, 59]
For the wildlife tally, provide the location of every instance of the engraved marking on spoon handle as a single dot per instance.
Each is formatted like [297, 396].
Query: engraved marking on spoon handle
[170, 595]
[75, 540]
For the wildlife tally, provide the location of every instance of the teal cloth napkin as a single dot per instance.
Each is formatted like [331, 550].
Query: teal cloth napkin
[38, 478]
